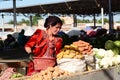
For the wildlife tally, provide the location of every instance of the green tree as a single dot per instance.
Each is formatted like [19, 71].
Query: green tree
[105, 20]
[93, 20]
[36, 18]
[79, 21]
[11, 22]
[83, 21]
[86, 21]
[24, 21]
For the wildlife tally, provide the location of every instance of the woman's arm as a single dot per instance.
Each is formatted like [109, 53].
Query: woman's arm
[32, 41]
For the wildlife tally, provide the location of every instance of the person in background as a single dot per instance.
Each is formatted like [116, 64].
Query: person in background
[1, 45]
[46, 43]
[21, 38]
[9, 41]
[83, 35]
[101, 32]
[65, 37]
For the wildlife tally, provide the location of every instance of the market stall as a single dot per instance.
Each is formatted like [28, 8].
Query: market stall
[79, 61]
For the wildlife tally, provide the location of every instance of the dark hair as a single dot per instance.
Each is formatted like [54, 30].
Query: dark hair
[52, 20]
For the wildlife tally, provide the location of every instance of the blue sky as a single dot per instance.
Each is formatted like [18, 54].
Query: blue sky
[20, 3]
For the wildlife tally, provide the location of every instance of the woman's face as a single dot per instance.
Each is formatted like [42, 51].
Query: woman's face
[55, 29]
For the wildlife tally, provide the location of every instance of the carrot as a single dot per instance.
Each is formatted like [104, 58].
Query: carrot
[75, 43]
[86, 47]
[81, 45]
[90, 52]
[81, 49]
[91, 46]
[89, 49]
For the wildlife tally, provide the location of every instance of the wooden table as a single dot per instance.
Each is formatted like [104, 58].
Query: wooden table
[20, 64]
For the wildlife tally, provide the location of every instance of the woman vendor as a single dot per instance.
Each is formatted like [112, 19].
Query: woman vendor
[45, 44]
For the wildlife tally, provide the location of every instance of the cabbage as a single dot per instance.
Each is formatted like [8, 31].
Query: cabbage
[117, 43]
[115, 51]
[109, 44]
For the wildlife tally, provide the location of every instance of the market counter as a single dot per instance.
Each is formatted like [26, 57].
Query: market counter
[112, 73]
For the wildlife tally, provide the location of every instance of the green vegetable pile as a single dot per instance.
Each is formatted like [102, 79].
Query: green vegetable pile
[113, 45]
[16, 75]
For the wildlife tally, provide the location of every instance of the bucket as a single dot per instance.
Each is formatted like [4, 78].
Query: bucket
[42, 63]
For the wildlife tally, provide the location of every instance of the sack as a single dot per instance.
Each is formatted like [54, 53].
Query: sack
[41, 63]
[72, 65]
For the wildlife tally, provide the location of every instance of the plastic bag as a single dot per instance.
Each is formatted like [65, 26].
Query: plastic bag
[72, 65]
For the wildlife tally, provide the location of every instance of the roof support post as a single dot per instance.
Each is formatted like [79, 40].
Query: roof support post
[94, 20]
[2, 19]
[110, 17]
[102, 14]
[3, 22]
[30, 20]
[74, 21]
[14, 10]
[112, 20]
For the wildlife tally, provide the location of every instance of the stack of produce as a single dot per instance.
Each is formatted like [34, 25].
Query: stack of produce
[87, 51]
[70, 51]
[76, 50]
[72, 57]
[84, 47]
[105, 58]
[49, 74]
[113, 45]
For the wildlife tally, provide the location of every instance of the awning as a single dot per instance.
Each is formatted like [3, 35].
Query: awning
[69, 7]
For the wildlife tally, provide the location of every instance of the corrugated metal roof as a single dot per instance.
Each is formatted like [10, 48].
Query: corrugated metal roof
[70, 7]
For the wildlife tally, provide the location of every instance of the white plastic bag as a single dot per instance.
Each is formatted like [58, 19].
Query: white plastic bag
[72, 65]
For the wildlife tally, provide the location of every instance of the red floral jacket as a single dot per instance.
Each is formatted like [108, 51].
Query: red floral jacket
[40, 45]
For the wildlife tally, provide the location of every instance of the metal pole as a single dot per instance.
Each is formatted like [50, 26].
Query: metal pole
[102, 14]
[30, 20]
[74, 20]
[110, 18]
[94, 20]
[2, 22]
[14, 9]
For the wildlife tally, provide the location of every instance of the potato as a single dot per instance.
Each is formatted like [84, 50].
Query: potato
[55, 74]
[68, 56]
[79, 56]
[51, 69]
[49, 75]
[60, 55]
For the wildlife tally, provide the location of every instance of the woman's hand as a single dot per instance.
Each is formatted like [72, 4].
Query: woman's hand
[28, 50]
[31, 56]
